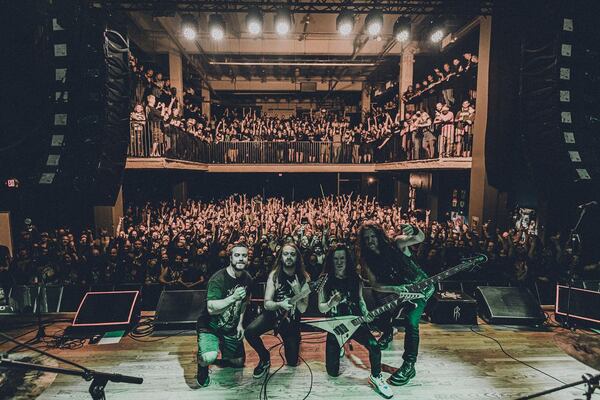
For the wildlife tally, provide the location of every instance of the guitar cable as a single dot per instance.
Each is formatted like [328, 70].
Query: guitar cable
[519, 361]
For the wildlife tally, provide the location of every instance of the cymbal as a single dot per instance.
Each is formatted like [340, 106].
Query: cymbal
[581, 346]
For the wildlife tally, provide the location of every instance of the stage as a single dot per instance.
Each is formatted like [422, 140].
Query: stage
[454, 363]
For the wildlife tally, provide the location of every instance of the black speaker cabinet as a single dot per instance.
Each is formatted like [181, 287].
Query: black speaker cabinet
[179, 310]
[508, 306]
[451, 307]
[580, 306]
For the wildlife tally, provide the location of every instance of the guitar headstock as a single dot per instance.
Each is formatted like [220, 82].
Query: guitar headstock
[475, 261]
[318, 285]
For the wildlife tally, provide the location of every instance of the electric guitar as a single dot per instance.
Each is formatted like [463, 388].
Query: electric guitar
[307, 289]
[343, 327]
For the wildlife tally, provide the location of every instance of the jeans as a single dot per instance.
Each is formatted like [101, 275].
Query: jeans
[411, 329]
[365, 338]
[289, 331]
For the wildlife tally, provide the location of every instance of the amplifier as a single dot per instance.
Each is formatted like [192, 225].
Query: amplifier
[452, 308]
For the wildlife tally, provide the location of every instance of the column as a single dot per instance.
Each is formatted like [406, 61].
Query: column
[176, 74]
[206, 102]
[107, 217]
[365, 100]
[405, 77]
[5, 231]
[485, 201]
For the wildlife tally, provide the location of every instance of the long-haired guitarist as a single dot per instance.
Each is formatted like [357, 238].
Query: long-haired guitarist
[285, 282]
[342, 295]
[389, 266]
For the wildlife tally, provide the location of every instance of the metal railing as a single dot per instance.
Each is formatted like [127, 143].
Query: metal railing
[152, 139]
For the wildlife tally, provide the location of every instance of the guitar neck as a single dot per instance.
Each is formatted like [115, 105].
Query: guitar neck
[424, 284]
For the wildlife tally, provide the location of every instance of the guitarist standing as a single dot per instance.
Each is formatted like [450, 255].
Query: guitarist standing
[390, 266]
[287, 279]
[342, 295]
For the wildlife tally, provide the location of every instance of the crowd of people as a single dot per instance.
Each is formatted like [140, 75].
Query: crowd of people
[450, 84]
[181, 245]
[160, 125]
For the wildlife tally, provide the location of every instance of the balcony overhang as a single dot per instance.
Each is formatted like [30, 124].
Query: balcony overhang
[463, 163]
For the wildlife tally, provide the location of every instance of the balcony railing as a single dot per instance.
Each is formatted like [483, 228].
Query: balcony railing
[151, 139]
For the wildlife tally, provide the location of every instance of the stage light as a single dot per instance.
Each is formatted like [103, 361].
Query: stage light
[254, 21]
[216, 26]
[437, 35]
[374, 22]
[283, 21]
[344, 23]
[189, 27]
[402, 29]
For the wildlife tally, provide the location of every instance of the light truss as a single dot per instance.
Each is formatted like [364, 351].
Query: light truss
[400, 7]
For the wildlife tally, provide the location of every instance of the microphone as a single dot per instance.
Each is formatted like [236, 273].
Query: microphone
[588, 204]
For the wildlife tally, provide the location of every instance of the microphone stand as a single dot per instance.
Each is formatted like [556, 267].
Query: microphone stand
[575, 251]
[591, 382]
[99, 379]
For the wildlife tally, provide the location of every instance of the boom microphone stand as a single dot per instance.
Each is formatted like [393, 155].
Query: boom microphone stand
[99, 379]
[591, 382]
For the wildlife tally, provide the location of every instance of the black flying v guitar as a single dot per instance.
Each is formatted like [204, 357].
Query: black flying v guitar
[343, 327]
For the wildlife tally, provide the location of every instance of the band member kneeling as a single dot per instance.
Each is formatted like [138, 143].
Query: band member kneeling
[227, 297]
[285, 281]
[342, 295]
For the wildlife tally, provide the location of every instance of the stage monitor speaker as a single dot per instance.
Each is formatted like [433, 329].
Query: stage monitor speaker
[508, 306]
[101, 312]
[179, 310]
[580, 306]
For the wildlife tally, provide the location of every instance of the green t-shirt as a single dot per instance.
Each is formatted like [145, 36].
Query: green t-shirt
[220, 286]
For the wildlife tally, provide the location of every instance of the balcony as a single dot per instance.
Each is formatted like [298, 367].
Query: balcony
[151, 147]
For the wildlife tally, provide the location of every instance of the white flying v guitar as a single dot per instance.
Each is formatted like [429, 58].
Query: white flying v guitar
[344, 327]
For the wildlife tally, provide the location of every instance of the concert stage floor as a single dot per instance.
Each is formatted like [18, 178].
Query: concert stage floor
[454, 363]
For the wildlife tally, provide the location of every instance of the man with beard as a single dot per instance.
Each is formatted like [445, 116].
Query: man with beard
[226, 300]
[390, 267]
[285, 281]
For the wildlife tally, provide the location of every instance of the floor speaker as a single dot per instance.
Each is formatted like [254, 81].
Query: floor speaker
[179, 310]
[508, 306]
[101, 312]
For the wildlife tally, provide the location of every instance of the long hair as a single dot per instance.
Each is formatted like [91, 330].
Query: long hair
[389, 254]
[352, 271]
[298, 268]
[363, 253]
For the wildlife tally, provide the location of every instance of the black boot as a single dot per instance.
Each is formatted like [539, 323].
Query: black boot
[403, 374]
[261, 369]
[202, 376]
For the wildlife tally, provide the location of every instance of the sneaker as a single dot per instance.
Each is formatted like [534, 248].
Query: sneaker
[202, 377]
[385, 340]
[381, 386]
[261, 369]
[403, 374]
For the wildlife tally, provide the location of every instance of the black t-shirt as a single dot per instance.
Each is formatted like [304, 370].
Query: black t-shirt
[284, 290]
[220, 286]
[349, 305]
[396, 269]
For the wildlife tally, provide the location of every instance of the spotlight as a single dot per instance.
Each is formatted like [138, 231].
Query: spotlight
[374, 22]
[216, 26]
[437, 35]
[283, 21]
[402, 29]
[254, 21]
[344, 23]
[189, 26]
